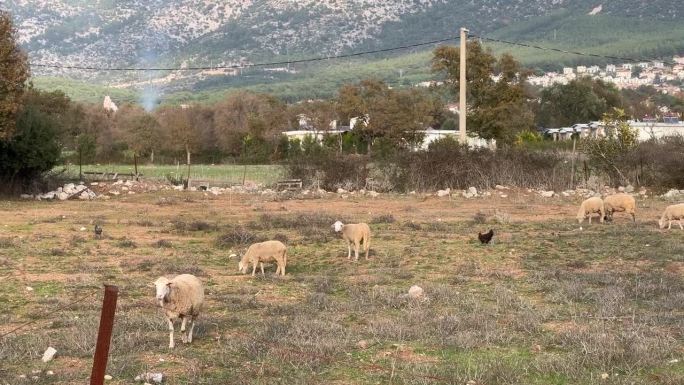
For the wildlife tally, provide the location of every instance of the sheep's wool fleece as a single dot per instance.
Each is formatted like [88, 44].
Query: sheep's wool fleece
[186, 295]
[264, 251]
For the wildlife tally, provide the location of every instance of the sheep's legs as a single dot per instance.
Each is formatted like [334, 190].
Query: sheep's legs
[680, 224]
[366, 244]
[254, 266]
[357, 245]
[669, 224]
[184, 320]
[261, 264]
[348, 250]
[192, 327]
[171, 344]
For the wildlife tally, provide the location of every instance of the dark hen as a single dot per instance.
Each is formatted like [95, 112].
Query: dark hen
[486, 237]
[98, 231]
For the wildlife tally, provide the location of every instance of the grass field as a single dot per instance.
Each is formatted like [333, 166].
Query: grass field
[230, 173]
[545, 303]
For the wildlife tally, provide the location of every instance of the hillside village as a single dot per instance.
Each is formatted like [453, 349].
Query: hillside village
[666, 77]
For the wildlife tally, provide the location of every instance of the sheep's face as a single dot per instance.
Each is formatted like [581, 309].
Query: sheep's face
[661, 223]
[242, 267]
[163, 288]
[337, 226]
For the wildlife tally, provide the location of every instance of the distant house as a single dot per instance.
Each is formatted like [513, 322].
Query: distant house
[581, 69]
[568, 71]
[431, 135]
[610, 68]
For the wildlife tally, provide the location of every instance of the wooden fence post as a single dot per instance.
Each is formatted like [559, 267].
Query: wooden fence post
[104, 335]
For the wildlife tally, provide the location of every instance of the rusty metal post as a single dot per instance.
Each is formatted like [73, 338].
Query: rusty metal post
[104, 335]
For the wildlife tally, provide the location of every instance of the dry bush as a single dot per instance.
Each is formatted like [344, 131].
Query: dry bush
[126, 243]
[237, 237]
[385, 218]
[162, 243]
[6, 242]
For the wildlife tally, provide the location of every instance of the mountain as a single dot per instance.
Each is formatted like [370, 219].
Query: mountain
[215, 33]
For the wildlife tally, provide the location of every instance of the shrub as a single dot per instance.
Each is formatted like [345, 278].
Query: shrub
[237, 237]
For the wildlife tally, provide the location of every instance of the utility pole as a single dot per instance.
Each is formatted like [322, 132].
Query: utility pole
[462, 89]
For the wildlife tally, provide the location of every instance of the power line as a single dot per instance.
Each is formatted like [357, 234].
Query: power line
[526, 45]
[239, 66]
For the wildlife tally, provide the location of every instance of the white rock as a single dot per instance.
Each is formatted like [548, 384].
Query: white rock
[114, 192]
[500, 187]
[604, 376]
[629, 188]
[341, 191]
[415, 292]
[49, 354]
[472, 190]
[94, 184]
[412, 192]
[82, 229]
[84, 196]
[672, 193]
[29, 288]
[192, 188]
[621, 189]
[467, 195]
[62, 196]
[22, 376]
[444, 193]
[124, 188]
[107, 377]
[373, 194]
[129, 183]
[50, 373]
[504, 196]
[547, 194]
[131, 192]
[26, 196]
[152, 377]
[179, 187]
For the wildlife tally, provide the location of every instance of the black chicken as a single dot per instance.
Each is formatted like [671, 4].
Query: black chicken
[98, 231]
[486, 237]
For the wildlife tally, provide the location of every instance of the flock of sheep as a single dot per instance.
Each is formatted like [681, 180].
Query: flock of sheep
[605, 208]
[182, 296]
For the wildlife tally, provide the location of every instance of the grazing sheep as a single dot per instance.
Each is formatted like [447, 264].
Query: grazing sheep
[180, 297]
[672, 213]
[591, 206]
[354, 234]
[620, 203]
[261, 252]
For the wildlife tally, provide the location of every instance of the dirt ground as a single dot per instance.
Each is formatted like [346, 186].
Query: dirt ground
[545, 303]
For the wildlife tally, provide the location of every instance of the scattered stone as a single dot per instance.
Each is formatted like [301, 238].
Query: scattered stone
[83, 229]
[363, 344]
[472, 190]
[500, 187]
[673, 193]
[415, 292]
[49, 373]
[629, 188]
[95, 184]
[49, 354]
[151, 377]
[443, 193]
[22, 376]
[547, 194]
[107, 377]
[504, 196]
[26, 196]
[604, 376]
[29, 288]
[341, 191]
[412, 192]
[673, 361]
[621, 189]
[62, 196]
[373, 194]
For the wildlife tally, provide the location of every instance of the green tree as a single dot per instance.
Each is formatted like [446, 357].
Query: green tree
[397, 115]
[608, 153]
[496, 94]
[580, 101]
[32, 150]
[14, 71]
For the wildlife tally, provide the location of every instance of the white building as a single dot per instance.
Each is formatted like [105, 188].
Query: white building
[568, 71]
[581, 69]
[610, 68]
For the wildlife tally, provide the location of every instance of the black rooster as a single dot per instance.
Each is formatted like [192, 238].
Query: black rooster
[486, 237]
[98, 231]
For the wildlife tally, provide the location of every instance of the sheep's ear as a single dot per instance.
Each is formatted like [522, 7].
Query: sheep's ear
[169, 284]
[151, 285]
